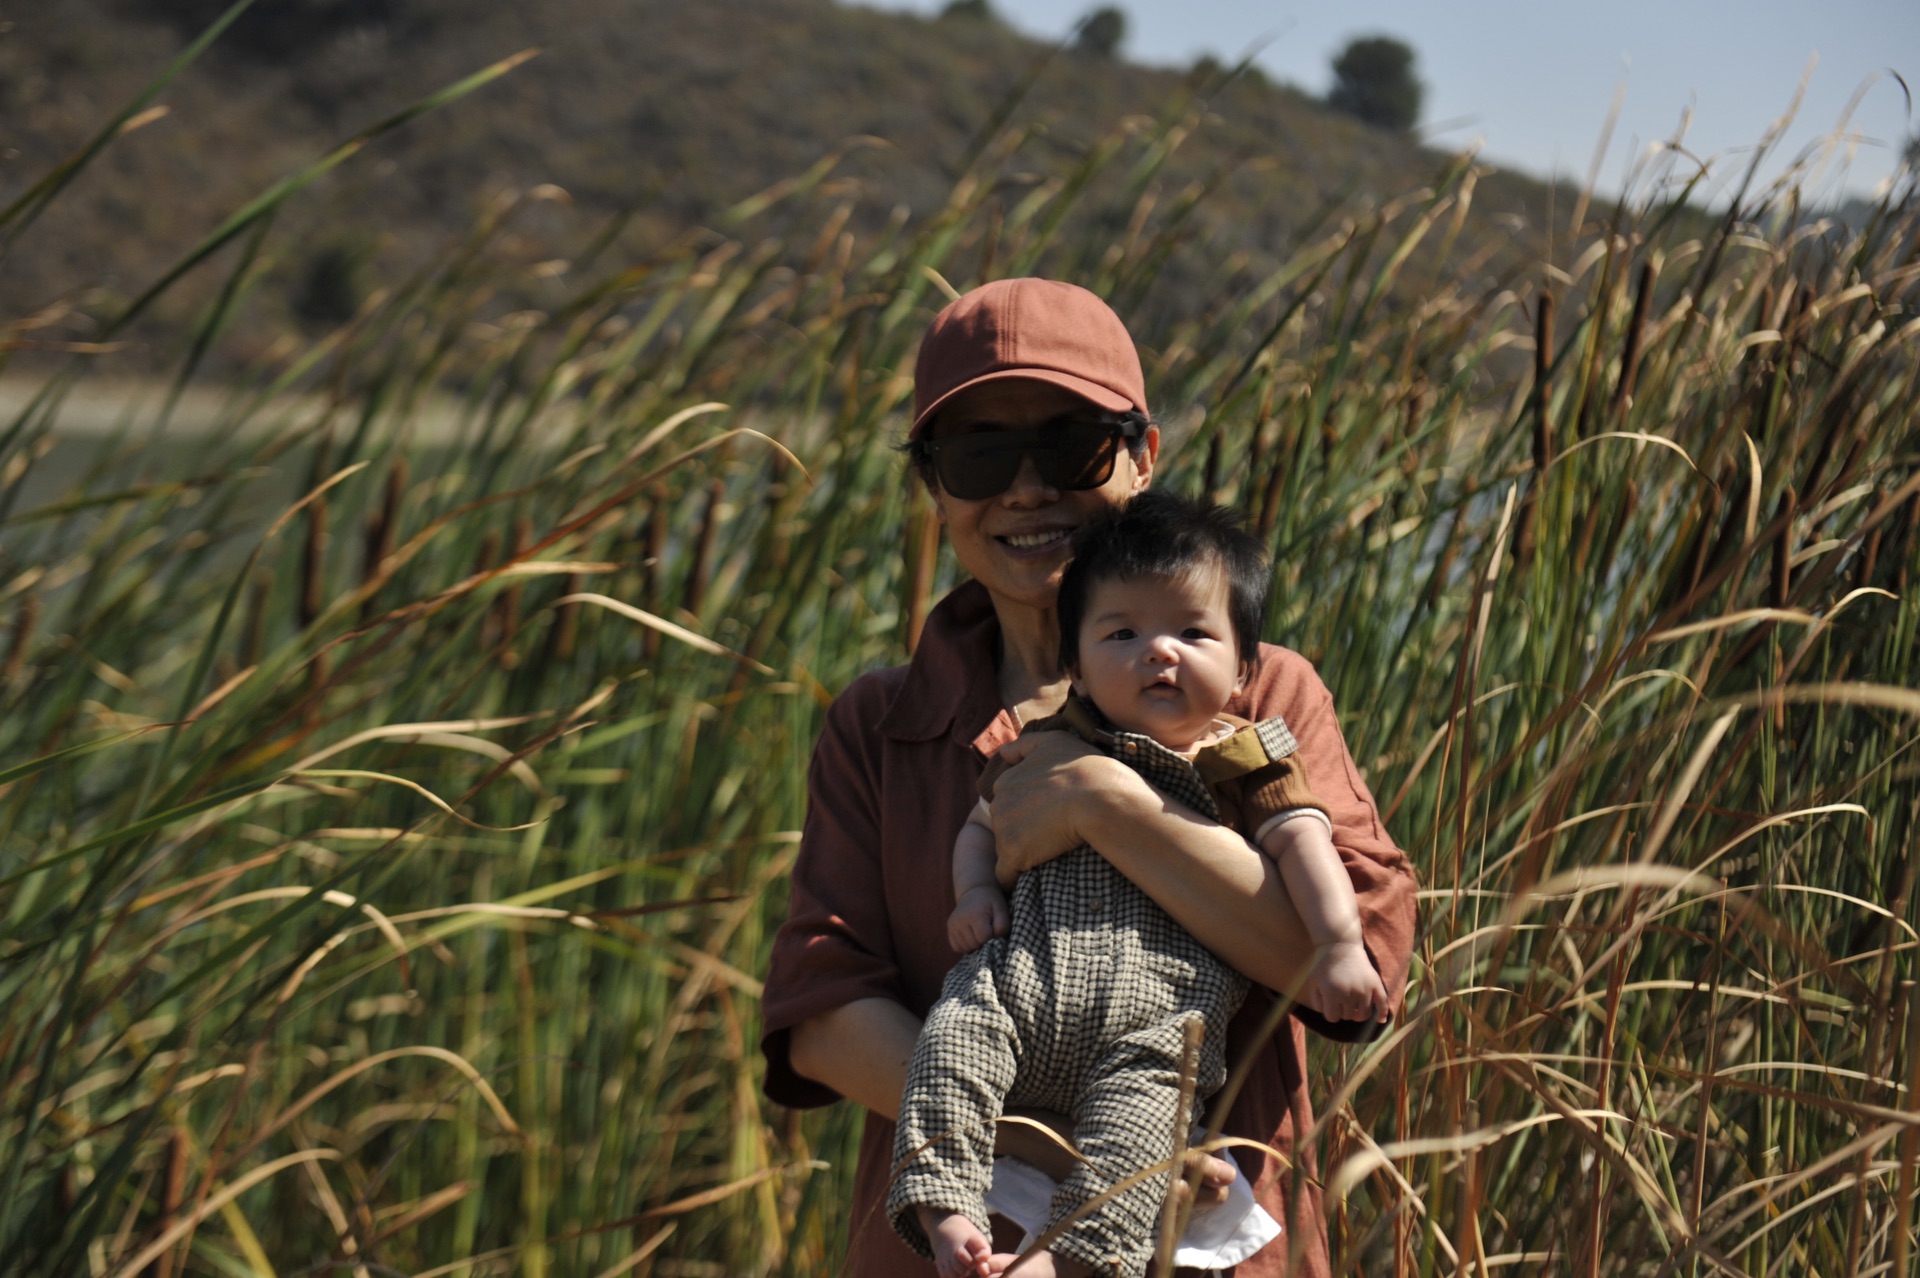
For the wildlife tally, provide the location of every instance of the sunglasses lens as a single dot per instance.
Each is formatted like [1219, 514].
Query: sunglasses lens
[1069, 456]
[975, 467]
[1077, 456]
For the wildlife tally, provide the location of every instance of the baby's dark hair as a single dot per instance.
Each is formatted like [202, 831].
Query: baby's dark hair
[1160, 534]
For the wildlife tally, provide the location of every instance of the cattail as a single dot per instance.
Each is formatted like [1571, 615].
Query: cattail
[1908, 539]
[1542, 391]
[699, 577]
[507, 602]
[1783, 550]
[653, 588]
[382, 530]
[490, 624]
[24, 621]
[1276, 485]
[923, 555]
[253, 631]
[1868, 559]
[173, 1192]
[1636, 328]
[1257, 441]
[566, 621]
[313, 564]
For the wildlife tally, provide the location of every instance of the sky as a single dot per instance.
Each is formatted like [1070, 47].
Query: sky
[1533, 83]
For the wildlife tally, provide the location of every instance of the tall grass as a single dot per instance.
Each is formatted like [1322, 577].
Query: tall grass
[397, 780]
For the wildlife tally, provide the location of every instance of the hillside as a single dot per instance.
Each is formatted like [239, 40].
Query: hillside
[659, 113]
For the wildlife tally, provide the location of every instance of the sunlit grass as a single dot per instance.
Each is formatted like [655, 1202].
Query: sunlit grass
[397, 779]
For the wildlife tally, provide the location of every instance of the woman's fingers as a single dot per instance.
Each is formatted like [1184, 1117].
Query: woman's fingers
[1036, 802]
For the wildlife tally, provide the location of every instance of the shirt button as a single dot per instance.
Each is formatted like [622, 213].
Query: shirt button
[1096, 905]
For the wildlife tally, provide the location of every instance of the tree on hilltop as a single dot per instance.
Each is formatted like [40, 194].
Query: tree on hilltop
[1102, 32]
[1373, 80]
[970, 11]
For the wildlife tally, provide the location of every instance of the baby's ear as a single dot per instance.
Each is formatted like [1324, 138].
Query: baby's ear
[1073, 681]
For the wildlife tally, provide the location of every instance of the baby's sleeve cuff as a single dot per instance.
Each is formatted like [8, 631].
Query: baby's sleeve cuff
[1280, 818]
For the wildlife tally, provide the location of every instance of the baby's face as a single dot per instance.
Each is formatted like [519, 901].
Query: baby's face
[1158, 655]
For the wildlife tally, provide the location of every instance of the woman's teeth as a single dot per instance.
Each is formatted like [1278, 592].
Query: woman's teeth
[1027, 541]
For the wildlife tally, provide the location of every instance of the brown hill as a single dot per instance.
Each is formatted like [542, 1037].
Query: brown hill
[660, 113]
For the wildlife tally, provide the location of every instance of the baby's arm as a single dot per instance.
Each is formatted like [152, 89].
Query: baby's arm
[980, 907]
[1344, 985]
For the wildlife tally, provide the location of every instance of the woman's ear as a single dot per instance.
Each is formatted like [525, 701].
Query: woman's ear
[1144, 460]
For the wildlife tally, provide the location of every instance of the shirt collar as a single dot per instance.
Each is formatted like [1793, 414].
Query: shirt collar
[951, 688]
[1243, 750]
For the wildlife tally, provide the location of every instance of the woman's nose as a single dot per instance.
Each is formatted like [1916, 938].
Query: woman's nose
[1028, 488]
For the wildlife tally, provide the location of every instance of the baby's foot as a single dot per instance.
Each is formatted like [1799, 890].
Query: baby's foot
[959, 1249]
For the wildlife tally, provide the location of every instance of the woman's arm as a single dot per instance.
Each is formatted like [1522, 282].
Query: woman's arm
[860, 1050]
[1206, 876]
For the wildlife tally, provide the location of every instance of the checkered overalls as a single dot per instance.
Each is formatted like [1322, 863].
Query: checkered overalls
[1080, 1009]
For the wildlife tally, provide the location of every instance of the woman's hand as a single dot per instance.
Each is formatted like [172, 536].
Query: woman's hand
[1041, 804]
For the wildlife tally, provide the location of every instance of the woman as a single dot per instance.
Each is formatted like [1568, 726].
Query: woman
[1030, 417]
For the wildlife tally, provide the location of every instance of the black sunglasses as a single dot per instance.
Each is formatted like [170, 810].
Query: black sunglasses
[1070, 455]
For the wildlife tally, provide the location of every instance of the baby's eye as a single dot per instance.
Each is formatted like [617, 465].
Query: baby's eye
[1194, 632]
[1123, 633]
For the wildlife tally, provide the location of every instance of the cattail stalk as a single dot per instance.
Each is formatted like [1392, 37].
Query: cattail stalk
[490, 624]
[382, 530]
[24, 620]
[1524, 531]
[173, 1192]
[1783, 550]
[566, 620]
[1172, 1212]
[507, 602]
[1636, 331]
[700, 576]
[923, 556]
[653, 588]
[313, 564]
[1542, 389]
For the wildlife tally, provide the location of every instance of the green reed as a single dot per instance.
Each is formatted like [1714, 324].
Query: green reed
[398, 774]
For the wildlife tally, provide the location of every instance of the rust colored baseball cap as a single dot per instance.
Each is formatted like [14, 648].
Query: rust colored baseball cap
[1040, 330]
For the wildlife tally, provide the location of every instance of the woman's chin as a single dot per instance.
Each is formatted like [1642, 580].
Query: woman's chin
[1031, 583]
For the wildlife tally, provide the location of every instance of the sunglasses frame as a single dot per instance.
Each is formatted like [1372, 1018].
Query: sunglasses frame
[1129, 427]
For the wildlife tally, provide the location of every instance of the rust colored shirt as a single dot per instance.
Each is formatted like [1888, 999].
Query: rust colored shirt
[893, 777]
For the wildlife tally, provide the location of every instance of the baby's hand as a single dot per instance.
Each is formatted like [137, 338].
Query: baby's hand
[980, 915]
[1344, 986]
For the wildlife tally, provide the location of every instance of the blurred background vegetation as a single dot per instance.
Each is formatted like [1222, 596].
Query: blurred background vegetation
[408, 686]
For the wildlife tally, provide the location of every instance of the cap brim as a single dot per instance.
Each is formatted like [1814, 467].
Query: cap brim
[1092, 392]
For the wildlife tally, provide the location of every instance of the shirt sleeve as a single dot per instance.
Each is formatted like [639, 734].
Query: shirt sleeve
[836, 946]
[1383, 881]
[1278, 788]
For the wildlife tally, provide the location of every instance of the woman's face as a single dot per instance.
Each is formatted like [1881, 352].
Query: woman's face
[1017, 543]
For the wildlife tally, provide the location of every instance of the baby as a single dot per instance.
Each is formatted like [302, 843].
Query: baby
[1074, 996]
